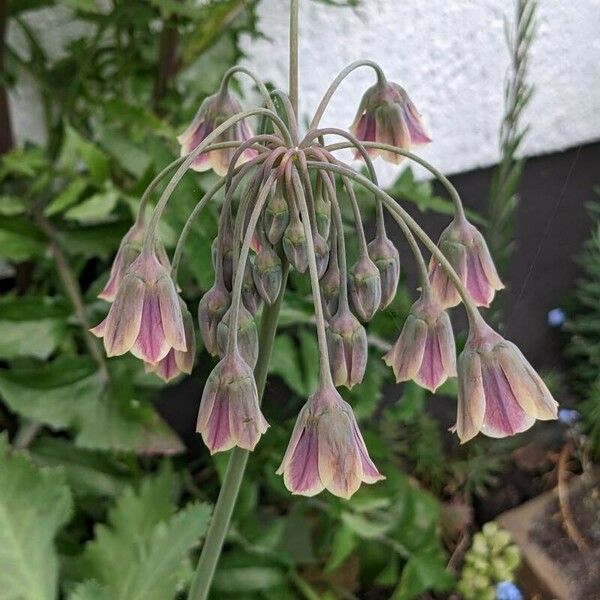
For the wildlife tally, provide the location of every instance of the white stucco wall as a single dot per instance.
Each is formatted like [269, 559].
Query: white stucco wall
[450, 55]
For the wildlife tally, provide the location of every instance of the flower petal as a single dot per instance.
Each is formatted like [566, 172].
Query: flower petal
[471, 396]
[170, 313]
[406, 355]
[301, 475]
[150, 344]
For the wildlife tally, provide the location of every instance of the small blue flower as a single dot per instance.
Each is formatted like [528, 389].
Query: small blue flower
[507, 590]
[568, 416]
[556, 317]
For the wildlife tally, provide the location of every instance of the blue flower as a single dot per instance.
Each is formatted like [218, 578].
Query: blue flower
[568, 416]
[507, 590]
[556, 317]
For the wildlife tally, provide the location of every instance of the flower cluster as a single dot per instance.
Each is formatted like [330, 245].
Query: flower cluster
[281, 209]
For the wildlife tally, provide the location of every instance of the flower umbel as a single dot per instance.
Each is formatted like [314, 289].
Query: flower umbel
[499, 393]
[326, 450]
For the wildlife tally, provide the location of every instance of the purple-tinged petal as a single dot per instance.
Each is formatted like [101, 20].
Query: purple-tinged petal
[471, 396]
[301, 476]
[167, 368]
[406, 355]
[170, 313]
[217, 435]
[477, 285]
[99, 330]
[370, 474]
[431, 374]
[418, 134]
[151, 344]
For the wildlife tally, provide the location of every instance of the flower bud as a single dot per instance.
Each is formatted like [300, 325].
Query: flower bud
[467, 252]
[499, 392]
[211, 309]
[425, 350]
[327, 450]
[214, 111]
[225, 238]
[323, 215]
[247, 335]
[250, 296]
[387, 115]
[348, 350]
[321, 253]
[267, 274]
[178, 361]
[294, 245]
[229, 411]
[385, 256]
[276, 216]
[331, 285]
[145, 317]
[365, 288]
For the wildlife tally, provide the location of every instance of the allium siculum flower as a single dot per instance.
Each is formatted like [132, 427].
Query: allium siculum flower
[178, 361]
[387, 115]
[295, 245]
[466, 250]
[214, 111]
[247, 335]
[229, 410]
[267, 273]
[145, 317]
[327, 450]
[387, 259]
[348, 350]
[425, 350]
[331, 284]
[277, 215]
[499, 392]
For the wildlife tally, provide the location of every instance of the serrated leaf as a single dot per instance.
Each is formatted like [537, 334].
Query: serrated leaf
[141, 553]
[34, 505]
[69, 393]
[76, 149]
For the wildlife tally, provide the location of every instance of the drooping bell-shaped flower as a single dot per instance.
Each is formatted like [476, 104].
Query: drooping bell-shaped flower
[247, 335]
[387, 259]
[327, 450]
[387, 115]
[267, 273]
[214, 111]
[425, 350]
[348, 350]
[229, 410]
[145, 317]
[499, 392]
[365, 288]
[466, 250]
[178, 361]
[211, 309]
[277, 215]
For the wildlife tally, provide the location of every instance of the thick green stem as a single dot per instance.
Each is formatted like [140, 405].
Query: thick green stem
[219, 525]
[294, 55]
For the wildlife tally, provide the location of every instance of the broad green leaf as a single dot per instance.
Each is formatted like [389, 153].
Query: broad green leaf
[343, 544]
[420, 574]
[69, 394]
[12, 205]
[19, 239]
[94, 209]
[129, 156]
[142, 552]
[285, 362]
[76, 149]
[34, 505]
[67, 197]
[366, 527]
[31, 327]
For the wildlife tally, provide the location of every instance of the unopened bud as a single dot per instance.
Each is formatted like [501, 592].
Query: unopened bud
[323, 215]
[385, 256]
[211, 309]
[321, 253]
[331, 285]
[250, 295]
[277, 216]
[267, 274]
[365, 288]
[247, 335]
[294, 245]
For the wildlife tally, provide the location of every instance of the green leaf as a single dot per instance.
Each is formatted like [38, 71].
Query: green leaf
[285, 362]
[229, 580]
[67, 197]
[12, 205]
[129, 156]
[94, 209]
[34, 505]
[20, 240]
[344, 543]
[31, 327]
[69, 393]
[420, 574]
[75, 149]
[142, 552]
